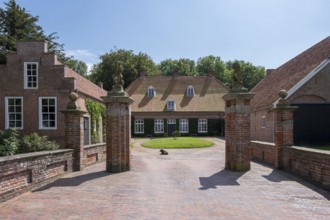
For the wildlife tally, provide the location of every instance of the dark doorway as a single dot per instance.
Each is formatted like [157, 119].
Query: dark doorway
[311, 125]
[86, 130]
[170, 126]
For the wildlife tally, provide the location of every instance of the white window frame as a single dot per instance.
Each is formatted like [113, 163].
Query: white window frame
[139, 126]
[171, 121]
[41, 126]
[26, 77]
[184, 126]
[171, 105]
[7, 112]
[190, 91]
[202, 125]
[151, 92]
[263, 121]
[159, 126]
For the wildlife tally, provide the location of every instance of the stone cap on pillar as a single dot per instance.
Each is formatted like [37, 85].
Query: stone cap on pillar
[117, 94]
[283, 102]
[73, 106]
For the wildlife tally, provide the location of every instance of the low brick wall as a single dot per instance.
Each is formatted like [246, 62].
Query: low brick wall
[310, 164]
[26, 172]
[263, 152]
[94, 153]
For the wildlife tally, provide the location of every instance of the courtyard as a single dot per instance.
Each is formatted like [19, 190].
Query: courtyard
[186, 184]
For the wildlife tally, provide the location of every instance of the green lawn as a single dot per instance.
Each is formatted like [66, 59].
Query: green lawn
[322, 147]
[179, 142]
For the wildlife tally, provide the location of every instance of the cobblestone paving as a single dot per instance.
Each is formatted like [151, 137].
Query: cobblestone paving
[186, 184]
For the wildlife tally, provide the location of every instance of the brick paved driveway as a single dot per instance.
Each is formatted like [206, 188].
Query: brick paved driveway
[186, 184]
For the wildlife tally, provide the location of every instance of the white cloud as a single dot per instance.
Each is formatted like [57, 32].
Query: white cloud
[84, 55]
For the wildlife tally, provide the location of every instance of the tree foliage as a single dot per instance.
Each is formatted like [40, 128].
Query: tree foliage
[214, 65]
[251, 74]
[133, 65]
[17, 24]
[181, 67]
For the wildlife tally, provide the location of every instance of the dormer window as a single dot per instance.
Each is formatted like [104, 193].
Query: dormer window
[30, 75]
[190, 91]
[151, 92]
[170, 105]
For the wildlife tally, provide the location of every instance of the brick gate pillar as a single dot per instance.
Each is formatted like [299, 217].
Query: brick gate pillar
[118, 126]
[237, 131]
[237, 124]
[74, 131]
[283, 127]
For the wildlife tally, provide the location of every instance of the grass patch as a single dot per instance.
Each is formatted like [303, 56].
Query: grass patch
[178, 143]
[322, 147]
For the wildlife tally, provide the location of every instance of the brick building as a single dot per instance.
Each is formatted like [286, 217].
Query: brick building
[306, 77]
[35, 87]
[190, 105]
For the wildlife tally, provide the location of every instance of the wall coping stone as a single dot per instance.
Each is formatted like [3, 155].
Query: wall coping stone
[317, 151]
[33, 154]
[94, 145]
[269, 144]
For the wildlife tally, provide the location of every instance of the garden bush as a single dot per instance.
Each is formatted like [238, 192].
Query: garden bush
[9, 142]
[12, 143]
[34, 142]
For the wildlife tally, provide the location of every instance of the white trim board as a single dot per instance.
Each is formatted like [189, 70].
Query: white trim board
[304, 80]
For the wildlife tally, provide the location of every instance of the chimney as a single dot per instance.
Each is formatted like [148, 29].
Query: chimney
[209, 75]
[100, 85]
[142, 75]
[175, 74]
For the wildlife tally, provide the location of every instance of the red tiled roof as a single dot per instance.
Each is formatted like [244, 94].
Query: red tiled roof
[289, 74]
[208, 94]
[85, 86]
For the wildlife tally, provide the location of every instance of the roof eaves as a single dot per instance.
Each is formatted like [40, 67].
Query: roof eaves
[305, 79]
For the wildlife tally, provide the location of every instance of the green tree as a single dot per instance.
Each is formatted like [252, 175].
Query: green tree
[214, 65]
[133, 65]
[78, 66]
[182, 67]
[251, 74]
[17, 24]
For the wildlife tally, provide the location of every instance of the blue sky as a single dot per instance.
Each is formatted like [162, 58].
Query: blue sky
[263, 32]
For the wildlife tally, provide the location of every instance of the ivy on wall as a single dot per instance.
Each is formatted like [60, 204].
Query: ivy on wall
[96, 110]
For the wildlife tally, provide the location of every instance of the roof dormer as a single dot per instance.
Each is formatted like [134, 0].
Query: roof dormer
[190, 92]
[151, 92]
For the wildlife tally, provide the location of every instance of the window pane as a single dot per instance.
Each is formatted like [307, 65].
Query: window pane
[52, 116]
[18, 101]
[11, 101]
[44, 101]
[52, 102]
[52, 109]
[52, 124]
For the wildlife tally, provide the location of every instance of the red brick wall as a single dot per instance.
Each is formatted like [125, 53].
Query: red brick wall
[94, 153]
[263, 152]
[310, 164]
[25, 172]
[259, 133]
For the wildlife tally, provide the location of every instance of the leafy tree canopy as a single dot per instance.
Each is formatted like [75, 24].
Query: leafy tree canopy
[182, 67]
[133, 65]
[17, 24]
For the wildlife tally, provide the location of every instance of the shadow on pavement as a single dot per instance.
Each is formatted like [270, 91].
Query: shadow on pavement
[74, 181]
[279, 176]
[221, 178]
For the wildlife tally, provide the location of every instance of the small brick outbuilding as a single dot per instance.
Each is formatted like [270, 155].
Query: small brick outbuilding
[306, 77]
